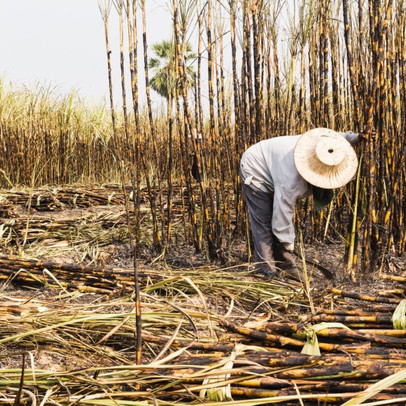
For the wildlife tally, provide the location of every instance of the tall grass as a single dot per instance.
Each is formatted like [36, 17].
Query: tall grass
[52, 138]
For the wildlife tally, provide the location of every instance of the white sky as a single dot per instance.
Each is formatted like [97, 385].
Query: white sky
[61, 43]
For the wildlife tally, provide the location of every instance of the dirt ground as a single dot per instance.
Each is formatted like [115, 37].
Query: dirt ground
[95, 235]
[76, 235]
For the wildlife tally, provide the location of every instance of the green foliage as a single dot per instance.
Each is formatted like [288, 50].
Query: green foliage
[165, 79]
[311, 346]
[399, 316]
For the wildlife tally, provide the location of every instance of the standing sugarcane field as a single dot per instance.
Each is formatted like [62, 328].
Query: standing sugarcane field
[227, 227]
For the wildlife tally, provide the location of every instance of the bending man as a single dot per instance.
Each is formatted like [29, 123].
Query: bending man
[278, 171]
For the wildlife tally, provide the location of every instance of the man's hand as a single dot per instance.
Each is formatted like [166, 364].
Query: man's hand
[289, 247]
[367, 136]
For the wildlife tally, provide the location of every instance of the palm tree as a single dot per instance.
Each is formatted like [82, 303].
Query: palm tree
[164, 80]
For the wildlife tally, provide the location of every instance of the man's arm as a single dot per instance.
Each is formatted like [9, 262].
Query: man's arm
[353, 138]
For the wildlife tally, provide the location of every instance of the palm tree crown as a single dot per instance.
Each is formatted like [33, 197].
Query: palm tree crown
[165, 80]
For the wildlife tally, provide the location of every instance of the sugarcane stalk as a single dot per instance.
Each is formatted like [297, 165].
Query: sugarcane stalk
[395, 278]
[292, 395]
[360, 296]
[99, 277]
[316, 368]
[341, 334]
[313, 386]
[384, 332]
[279, 327]
[276, 339]
[360, 311]
[279, 358]
[382, 318]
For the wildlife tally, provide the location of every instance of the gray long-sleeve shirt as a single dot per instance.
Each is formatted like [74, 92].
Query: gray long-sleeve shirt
[269, 166]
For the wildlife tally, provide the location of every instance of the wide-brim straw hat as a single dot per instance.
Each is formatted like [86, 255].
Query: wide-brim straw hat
[325, 159]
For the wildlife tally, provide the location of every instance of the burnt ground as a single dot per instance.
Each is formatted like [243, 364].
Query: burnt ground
[80, 230]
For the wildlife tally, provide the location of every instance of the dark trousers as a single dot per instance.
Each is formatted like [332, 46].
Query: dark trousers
[260, 209]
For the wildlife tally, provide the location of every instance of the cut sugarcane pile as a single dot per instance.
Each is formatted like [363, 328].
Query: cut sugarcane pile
[79, 215]
[237, 286]
[62, 217]
[191, 352]
[29, 273]
[51, 199]
[56, 198]
[77, 229]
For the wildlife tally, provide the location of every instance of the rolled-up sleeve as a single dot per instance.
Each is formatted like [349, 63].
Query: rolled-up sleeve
[351, 137]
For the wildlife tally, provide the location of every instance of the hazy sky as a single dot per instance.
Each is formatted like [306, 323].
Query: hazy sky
[61, 43]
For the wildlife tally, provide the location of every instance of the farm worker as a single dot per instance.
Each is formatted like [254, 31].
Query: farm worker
[278, 171]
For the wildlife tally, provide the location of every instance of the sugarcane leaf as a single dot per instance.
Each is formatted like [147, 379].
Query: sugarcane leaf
[223, 393]
[377, 387]
[219, 393]
[312, 343]
[324, 325]
[399, 316]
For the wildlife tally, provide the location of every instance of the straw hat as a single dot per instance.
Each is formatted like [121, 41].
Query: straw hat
[325, 159]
